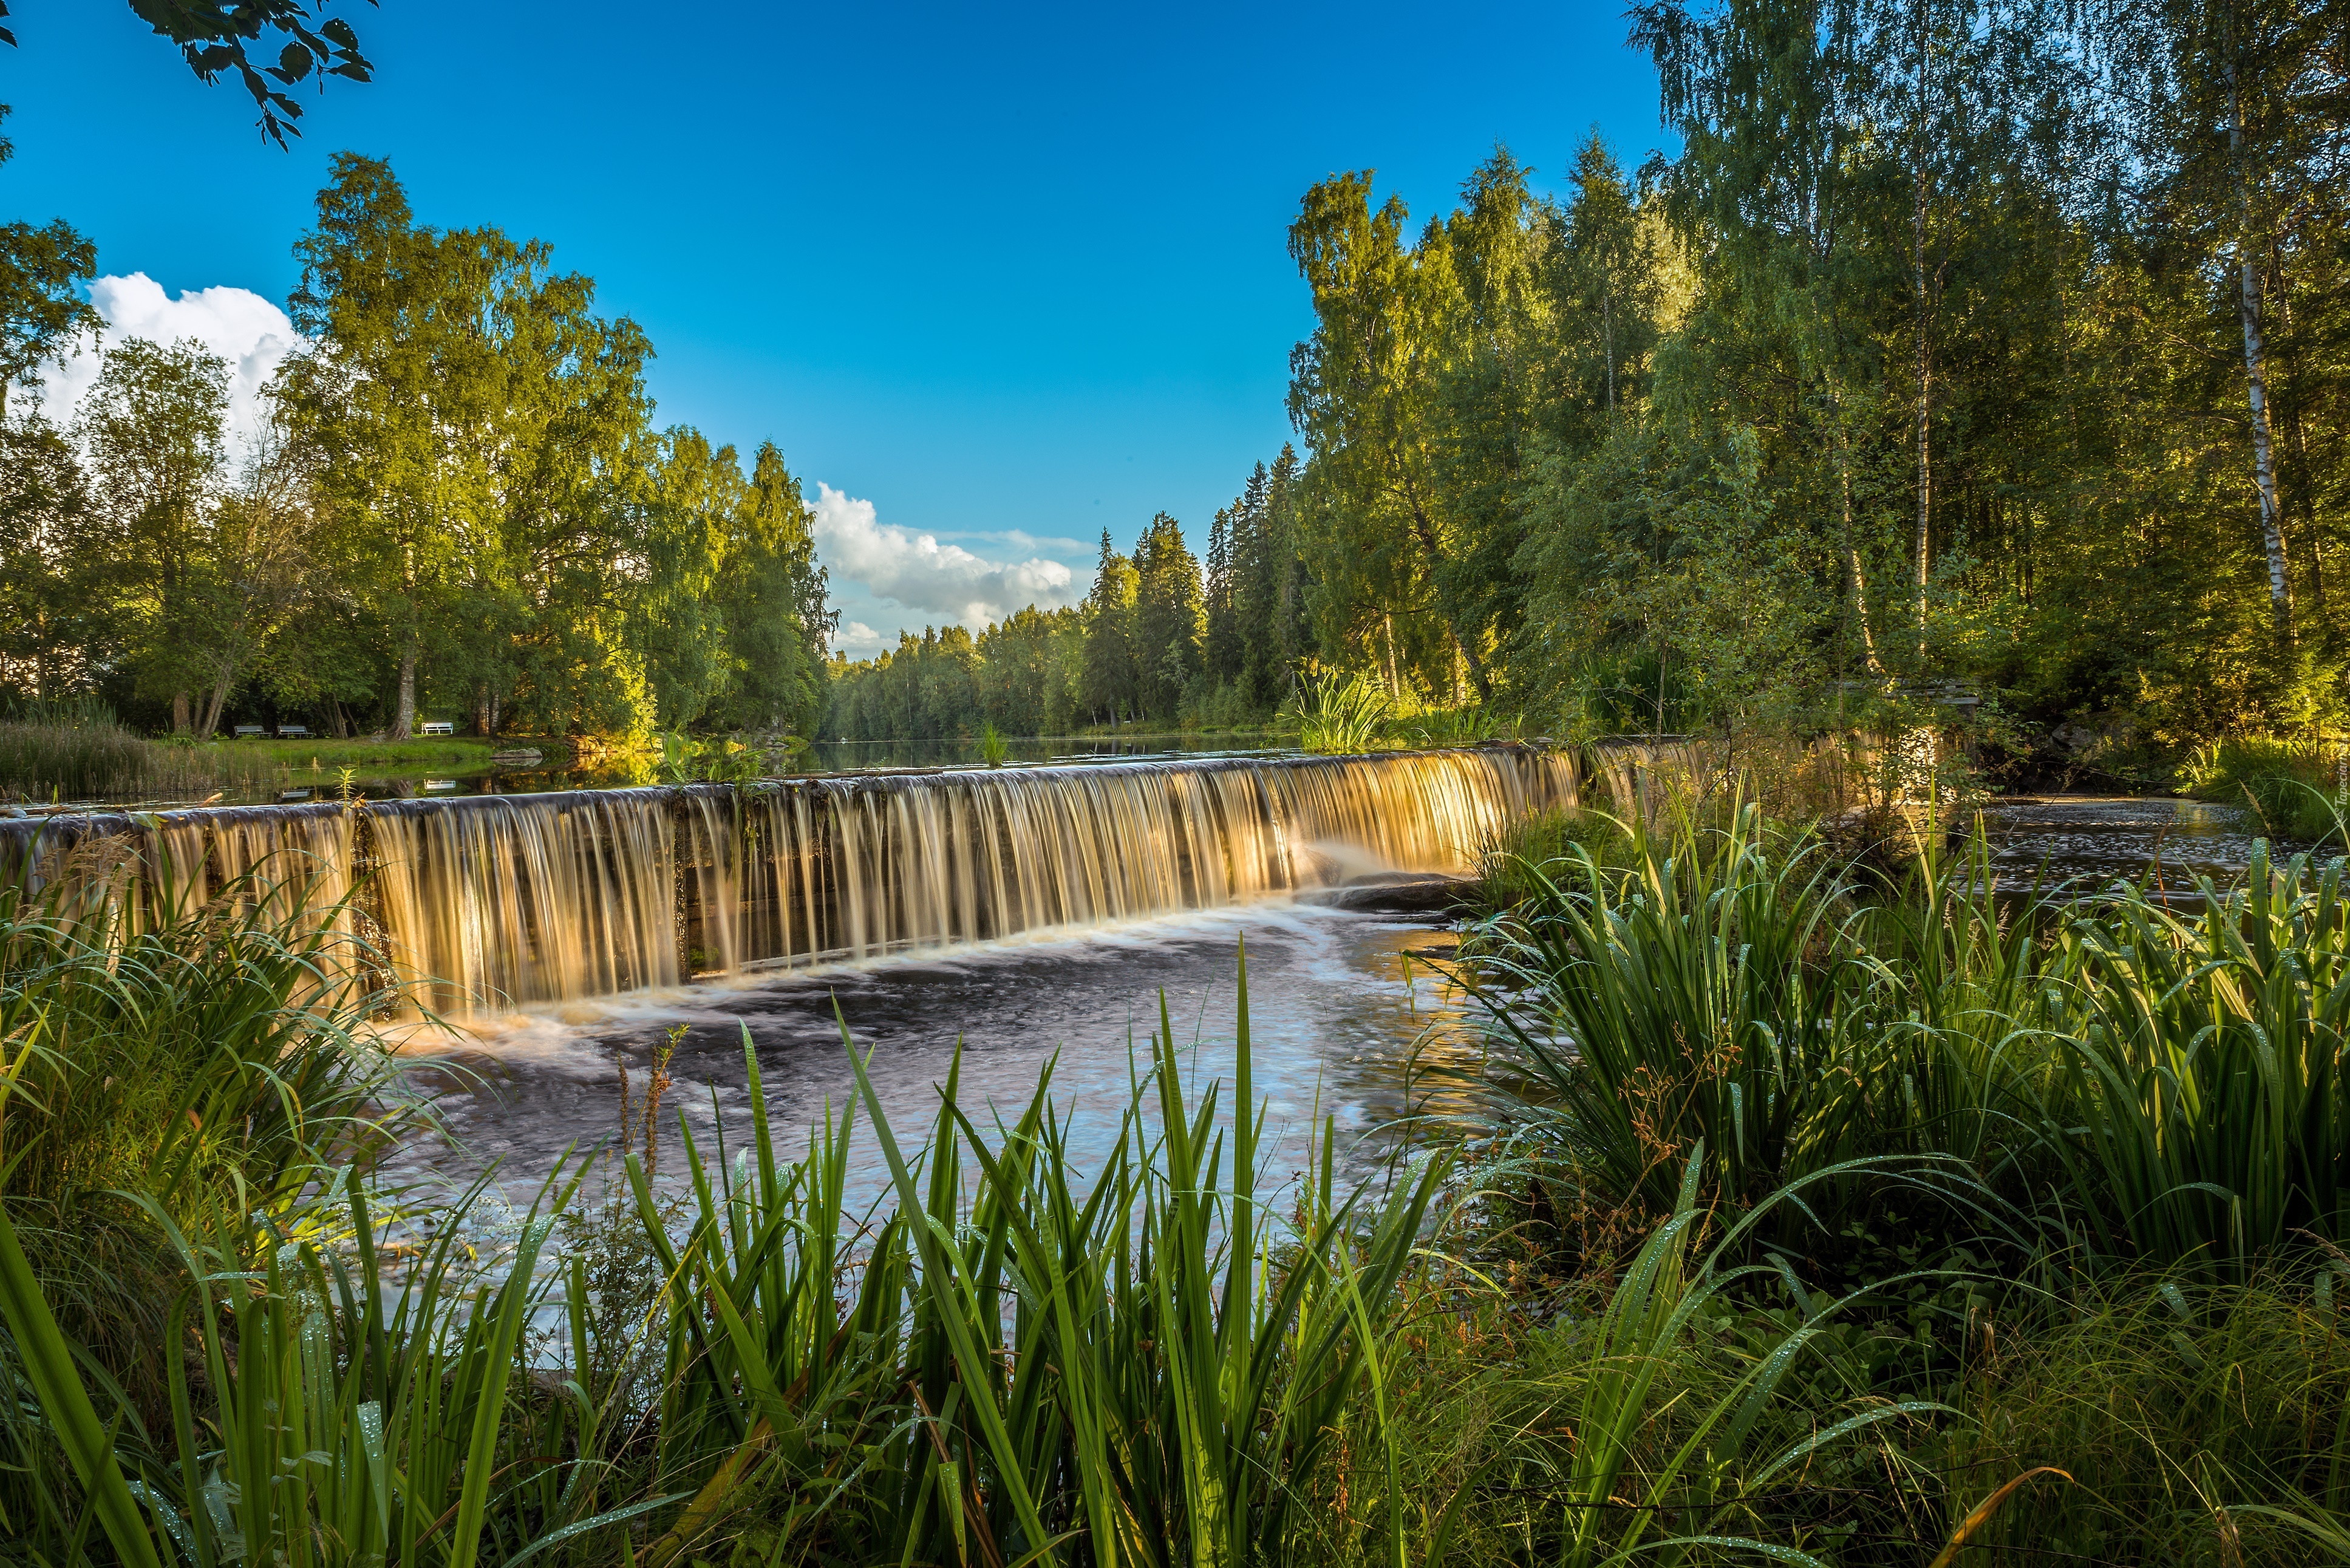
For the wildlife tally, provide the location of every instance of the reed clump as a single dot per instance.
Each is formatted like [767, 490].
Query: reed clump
[83, 754]
[1337, 713]
[2291, 789]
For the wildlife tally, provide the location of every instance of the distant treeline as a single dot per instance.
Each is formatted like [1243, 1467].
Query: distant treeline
[1957, 343]
[1157, 641]
[460, 508]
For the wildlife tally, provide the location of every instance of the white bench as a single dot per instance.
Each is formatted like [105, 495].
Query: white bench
[436, 727]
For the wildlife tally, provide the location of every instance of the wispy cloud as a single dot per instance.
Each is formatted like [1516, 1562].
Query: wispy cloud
[241, 326]
[917, 572]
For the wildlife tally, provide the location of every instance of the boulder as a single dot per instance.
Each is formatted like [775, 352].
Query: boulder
[1394, 893]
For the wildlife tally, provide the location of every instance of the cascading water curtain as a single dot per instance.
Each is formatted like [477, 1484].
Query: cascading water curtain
[492, 901]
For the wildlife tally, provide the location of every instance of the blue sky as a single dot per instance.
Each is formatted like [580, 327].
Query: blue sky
[996, 279]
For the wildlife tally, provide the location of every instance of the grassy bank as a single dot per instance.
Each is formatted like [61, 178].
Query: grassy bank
[1857, 1227]
[101, 760]
[458, 753]
[2291, 789]
[89, 756]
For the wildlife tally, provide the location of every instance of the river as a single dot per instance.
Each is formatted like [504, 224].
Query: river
[1352, 1017]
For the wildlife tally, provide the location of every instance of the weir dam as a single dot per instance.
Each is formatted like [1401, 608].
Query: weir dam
[486, 903]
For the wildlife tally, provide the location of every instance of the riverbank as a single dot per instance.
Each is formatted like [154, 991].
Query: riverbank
[459, 753]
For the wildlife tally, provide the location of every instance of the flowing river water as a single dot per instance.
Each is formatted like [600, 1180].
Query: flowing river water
[1352, 1015]
[1031, 919]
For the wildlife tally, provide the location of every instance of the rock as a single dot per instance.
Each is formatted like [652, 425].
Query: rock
[1394, 893]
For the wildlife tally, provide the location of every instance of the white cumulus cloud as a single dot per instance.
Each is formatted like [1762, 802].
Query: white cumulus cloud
[916, 572]
[856, 636]
[241, 326]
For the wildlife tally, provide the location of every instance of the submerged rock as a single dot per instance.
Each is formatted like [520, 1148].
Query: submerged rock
[1396, 893]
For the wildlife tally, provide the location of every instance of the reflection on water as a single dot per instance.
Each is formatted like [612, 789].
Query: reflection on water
[850, 756]
[2095, 842]
[1347, 1020]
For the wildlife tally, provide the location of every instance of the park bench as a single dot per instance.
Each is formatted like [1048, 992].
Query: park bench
[249, 732]
[437, 727]
[293, 732]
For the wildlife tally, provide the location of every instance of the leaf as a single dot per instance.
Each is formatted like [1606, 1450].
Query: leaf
[48, 1364]
[1985, 1509]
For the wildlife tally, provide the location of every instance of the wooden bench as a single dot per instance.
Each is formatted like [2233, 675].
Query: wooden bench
[437, 727]
[293, 732]
[249, 732]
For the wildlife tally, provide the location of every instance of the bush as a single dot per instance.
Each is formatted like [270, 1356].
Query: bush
[92, 758]
[2287, 789]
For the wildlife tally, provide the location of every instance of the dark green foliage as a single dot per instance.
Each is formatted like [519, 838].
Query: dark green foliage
[2292, 790]
[218, 40]
[1955, 342]
[1170, 620]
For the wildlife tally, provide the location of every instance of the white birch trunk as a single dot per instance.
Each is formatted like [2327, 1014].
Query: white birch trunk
[2256, 376]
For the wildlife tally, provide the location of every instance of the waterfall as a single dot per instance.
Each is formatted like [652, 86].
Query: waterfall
[488, 901]
[1646, 779]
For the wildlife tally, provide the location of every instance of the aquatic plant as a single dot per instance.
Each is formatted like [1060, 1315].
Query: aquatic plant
[1339, 714]
[1467, 725]
[992, 748]
[1698, 1000]
[96, 759]
[2212, 1048]
[1510, 862]
[2289, 789]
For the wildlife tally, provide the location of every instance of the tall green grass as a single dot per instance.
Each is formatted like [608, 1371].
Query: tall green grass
[1009, 1360]
[2158, 1088]
[1337, 713]
[2191, 1424]
[162, 1052]
[93, 758]
[2291, 789]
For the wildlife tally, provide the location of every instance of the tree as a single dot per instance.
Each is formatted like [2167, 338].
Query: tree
[771, 595]
[53, 638]
[1113, 678]
[218, 38]
[481, 436]
[1171, 623]
[1365, 390]
[42, 313]
[1224, 653]
[151, 429]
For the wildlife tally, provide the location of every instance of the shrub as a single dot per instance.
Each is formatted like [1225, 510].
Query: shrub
[1339, 714]
[2288, 789]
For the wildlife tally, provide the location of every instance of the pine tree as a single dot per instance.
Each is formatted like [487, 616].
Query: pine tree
[1110, 687]
[1171, 620]
[1226, 653]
